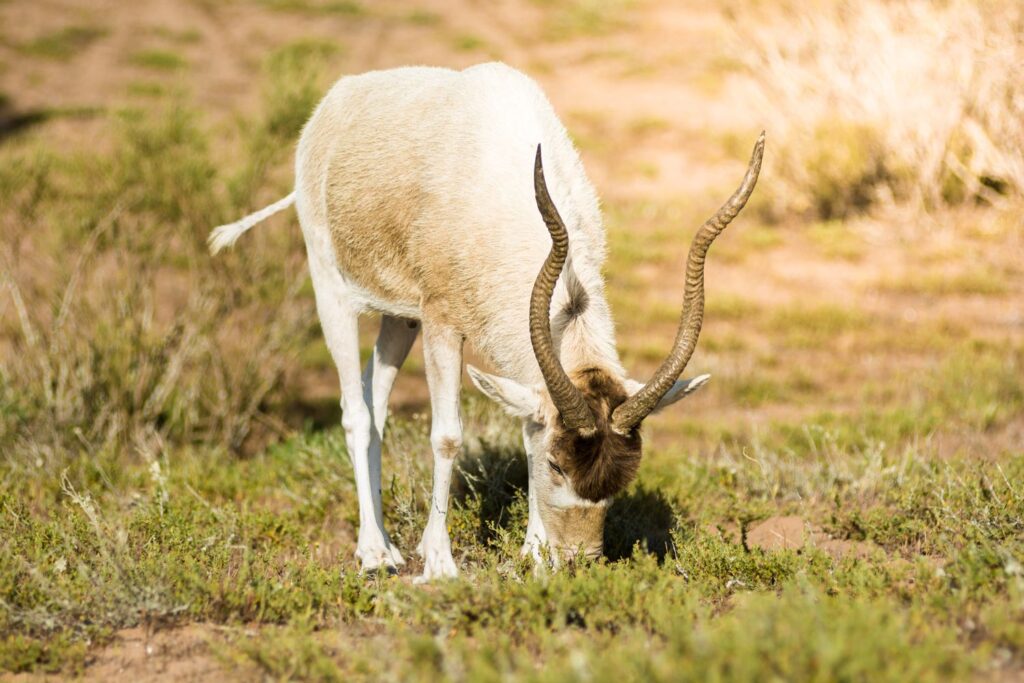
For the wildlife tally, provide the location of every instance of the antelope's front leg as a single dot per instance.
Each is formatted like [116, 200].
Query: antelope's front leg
[442, 352]
[536, 537]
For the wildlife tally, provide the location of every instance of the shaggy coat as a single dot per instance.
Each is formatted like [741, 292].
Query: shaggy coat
[602, 464]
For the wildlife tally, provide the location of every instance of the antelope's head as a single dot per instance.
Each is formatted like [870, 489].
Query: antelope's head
[582, 430]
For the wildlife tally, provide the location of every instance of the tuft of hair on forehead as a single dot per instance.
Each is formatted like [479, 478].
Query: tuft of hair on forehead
[603, 464]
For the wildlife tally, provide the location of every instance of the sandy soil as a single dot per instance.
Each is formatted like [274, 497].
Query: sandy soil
[137, 655]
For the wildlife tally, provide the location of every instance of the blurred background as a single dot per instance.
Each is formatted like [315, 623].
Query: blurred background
[867, 307]
[881, 256]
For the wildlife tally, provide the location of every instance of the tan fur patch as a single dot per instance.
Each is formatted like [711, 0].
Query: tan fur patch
[603, 464]
[583, 525]
[449, 448]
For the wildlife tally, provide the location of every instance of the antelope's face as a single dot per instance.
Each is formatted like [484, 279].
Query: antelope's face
[574, 474]
[582, 431]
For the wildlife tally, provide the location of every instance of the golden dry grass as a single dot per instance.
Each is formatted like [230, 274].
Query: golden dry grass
[881, 102]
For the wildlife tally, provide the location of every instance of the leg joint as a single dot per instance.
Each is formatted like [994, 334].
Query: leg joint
[355, 417]
[446, 444]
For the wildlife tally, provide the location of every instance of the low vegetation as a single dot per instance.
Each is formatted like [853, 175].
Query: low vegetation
[317, 7]
[123, 341]
[159, 60]
[916, 573]
[567, 19]
[842, 502]
[63, 44]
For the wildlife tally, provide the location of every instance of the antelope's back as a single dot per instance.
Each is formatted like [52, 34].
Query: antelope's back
[423, 178]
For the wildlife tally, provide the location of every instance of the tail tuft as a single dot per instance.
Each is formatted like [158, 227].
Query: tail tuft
[226, 235]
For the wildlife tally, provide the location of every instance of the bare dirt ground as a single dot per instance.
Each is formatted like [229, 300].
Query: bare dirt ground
[181, 654]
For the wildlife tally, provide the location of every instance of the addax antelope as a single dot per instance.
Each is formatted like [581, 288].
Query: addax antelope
[414, 191]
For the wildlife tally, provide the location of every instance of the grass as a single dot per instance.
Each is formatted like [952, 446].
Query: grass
[124, 349]
[296, 80]
[567, 19]
[178, 535]
[837, 241]
[981, 282]
[814, 326]
[183, 37]
[755, 241]
[147, 89]
[468, 42]
[759, 389]
[421, 17]
[158, 60]
[321, 7]
[164, 466]
[729, 307]
[64, 44]
[649, 125]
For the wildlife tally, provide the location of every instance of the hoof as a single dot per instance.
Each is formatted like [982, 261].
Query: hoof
[438, 565]
[382, 559]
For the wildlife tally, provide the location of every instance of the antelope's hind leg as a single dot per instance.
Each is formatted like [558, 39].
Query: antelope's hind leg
[339, 318]
[393, 343]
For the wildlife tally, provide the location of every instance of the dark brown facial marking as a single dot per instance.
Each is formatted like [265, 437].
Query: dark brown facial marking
[603, 464]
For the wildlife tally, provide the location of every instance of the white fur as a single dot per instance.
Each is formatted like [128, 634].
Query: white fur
[516, 399]
[442, 350]
[680, 390]
[226, 235]
[536, 535]
[414, 190]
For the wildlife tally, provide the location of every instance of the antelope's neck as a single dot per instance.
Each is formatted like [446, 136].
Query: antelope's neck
[583, 330]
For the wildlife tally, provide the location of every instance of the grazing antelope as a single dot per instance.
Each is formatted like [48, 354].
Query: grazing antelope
[413, 191]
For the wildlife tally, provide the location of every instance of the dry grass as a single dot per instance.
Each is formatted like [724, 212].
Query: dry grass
[130, 340]
[876, 102]
[567, 19]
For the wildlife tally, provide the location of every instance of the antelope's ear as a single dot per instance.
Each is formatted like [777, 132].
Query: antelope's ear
[680, 390]
[514, 398]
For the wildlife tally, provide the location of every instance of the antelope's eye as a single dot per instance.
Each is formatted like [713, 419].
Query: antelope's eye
[556, 468]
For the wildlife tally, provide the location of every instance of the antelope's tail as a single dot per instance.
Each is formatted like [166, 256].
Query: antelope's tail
[226, 235]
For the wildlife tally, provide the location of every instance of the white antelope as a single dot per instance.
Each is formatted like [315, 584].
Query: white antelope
[414, 192]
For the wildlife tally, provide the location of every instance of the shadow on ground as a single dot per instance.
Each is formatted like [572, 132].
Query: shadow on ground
[14, 121]
[640, 518]
[496, 480]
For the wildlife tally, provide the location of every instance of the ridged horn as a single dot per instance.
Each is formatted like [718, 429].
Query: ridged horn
[642, 403]
[567, 398]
